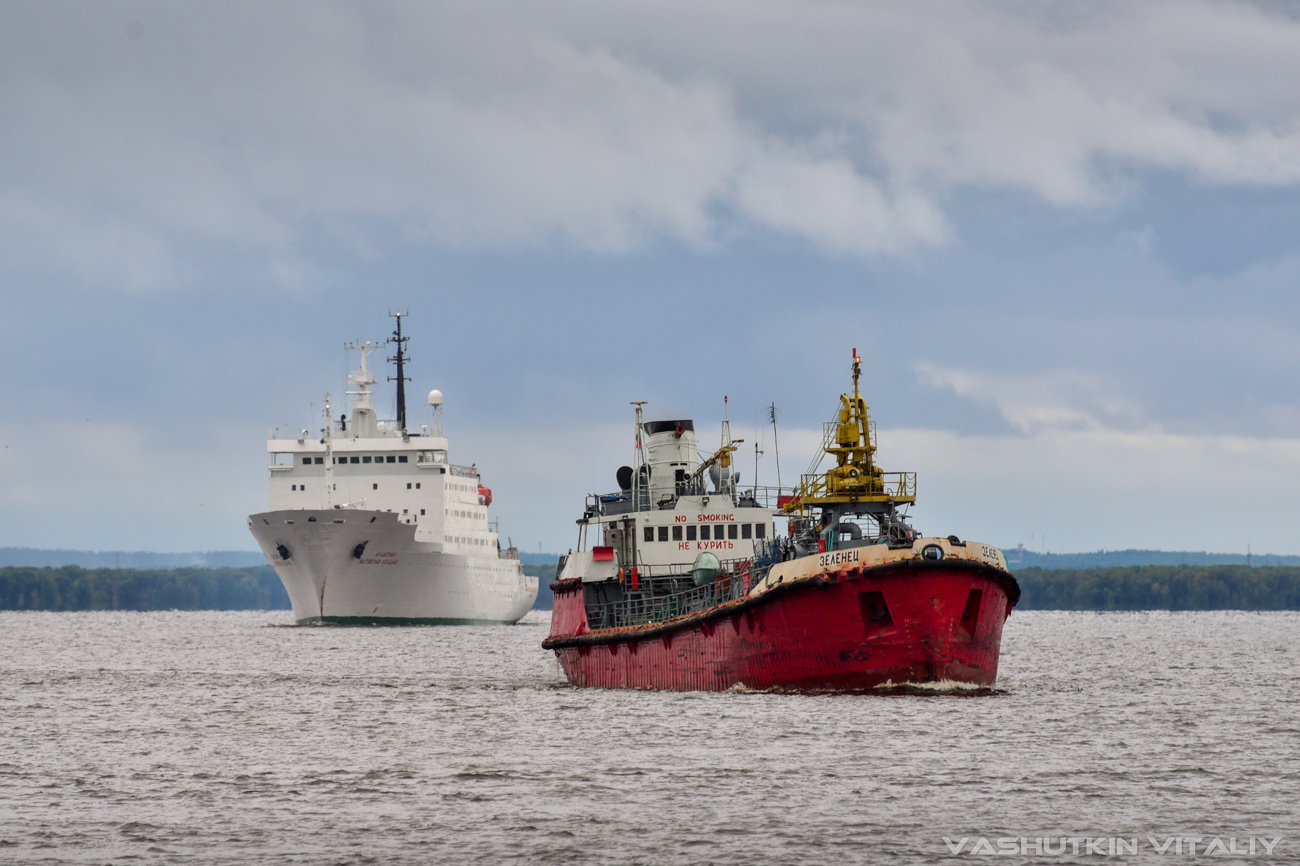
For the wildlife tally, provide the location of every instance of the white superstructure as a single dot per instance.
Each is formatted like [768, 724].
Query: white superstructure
[674, 525]
[369, 522]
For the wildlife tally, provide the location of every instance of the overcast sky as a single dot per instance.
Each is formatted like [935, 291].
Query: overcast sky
[1064, 237]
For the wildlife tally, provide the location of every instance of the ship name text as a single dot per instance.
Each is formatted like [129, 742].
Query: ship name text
[838, 557]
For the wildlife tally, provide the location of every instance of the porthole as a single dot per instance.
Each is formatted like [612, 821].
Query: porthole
[932, 551]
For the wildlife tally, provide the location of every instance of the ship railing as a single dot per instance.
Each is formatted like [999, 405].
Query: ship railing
[735, 579]
[765, 496]
[621, 501]
[831, 435]
[895, 485]
[684, 569]
[646, 609]
[462, 471]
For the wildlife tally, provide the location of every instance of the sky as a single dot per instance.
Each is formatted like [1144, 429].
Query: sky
[1065, 239]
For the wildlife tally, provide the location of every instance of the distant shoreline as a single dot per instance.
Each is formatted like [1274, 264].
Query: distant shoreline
[1131, 588]
[1017, 558]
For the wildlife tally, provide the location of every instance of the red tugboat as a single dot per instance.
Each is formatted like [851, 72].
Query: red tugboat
[690, 590]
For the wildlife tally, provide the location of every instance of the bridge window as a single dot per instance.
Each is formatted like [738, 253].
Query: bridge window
[704, 533]
[731, 530]
[690, 532]
[306, 461]
[293, 486]
[408, 485]
[650, 533]
[391, 459]
[320, 460]
[417, 485]
[374, 487]
[401, 458]
[663, 533]
[746, 530]
[760, 530]
[365, 459]
[677, 533]
[356, 459]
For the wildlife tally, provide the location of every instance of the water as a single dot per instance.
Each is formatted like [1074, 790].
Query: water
[230, 738]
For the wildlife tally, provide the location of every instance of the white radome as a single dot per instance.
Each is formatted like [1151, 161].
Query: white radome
[435, 397]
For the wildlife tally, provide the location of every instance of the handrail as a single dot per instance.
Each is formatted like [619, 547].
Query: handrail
[642, 610]
[619, 502]
[736, 578]
[893, 485]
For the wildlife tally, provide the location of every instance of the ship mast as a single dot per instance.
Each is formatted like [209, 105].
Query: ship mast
[638, 456]
[400, 378]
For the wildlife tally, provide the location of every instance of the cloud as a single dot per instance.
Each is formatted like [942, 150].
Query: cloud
[126, 486]
[1094, 489]
[140, 138]
[1048, 400]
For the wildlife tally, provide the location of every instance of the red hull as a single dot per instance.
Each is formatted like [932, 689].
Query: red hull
[828, 632]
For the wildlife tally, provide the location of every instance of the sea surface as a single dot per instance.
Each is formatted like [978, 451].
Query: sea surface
[203, 737]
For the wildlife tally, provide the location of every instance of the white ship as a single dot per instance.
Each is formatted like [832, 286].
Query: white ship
[371, 523]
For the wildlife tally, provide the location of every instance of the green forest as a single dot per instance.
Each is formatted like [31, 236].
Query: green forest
[1146, 587]
[74, 588]
[1161, 587]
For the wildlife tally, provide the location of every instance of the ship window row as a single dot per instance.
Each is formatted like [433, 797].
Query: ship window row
[365, 458]
[706, 532]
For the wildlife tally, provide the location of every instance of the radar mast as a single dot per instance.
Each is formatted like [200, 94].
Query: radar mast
[401, 379]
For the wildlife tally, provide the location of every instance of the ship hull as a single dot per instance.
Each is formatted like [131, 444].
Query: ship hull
[848, 630]
[394, 579]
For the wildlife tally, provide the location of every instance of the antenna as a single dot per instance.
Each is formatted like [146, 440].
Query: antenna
[638, 456]
[400, 378]
[776, 449]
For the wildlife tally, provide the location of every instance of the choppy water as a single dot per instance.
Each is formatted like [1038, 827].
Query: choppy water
[226, 738]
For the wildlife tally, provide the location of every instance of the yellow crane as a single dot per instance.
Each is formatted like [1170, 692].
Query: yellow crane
[855, 479]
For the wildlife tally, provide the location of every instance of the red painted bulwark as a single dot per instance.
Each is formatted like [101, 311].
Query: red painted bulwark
[844, 631]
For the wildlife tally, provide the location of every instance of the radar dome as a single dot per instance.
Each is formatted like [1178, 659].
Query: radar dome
[435, 397]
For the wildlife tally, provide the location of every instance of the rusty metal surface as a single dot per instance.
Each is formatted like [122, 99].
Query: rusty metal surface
[812, 633]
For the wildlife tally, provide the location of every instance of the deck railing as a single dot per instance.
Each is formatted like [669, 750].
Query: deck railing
[643, 607]
[621, 502]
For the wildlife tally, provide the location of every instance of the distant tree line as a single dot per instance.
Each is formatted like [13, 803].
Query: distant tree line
[1161, 587]
[1017, 558]
[1150, 587]
[545, 573]
[74, 588]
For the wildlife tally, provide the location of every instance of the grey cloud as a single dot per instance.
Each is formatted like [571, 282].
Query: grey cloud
[495, 126]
